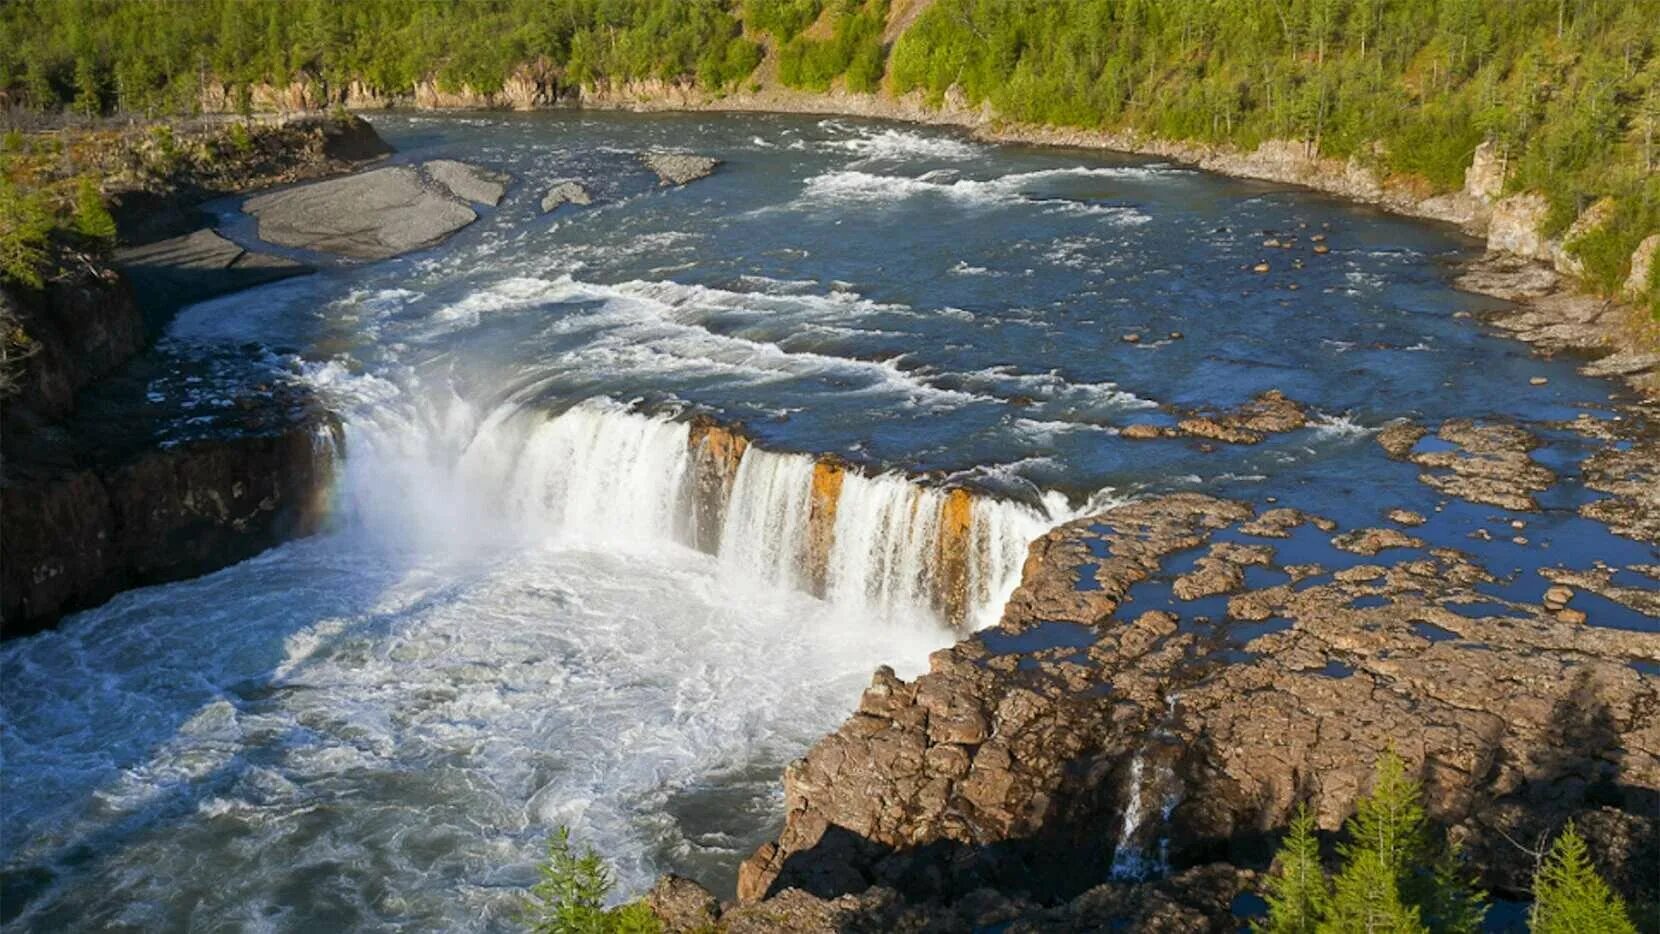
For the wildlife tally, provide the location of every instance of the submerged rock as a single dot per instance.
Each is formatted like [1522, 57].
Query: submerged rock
[565, 193]
[468, 182]
[372, 215]
[677, 168]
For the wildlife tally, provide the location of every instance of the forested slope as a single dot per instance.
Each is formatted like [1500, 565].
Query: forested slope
[1568, 91]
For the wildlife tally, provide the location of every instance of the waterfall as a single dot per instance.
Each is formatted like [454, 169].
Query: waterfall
[1135, 857]
[601, 474]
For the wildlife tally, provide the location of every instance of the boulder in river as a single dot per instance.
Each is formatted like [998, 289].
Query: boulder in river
[372, 215]
[678, 168]
[468, 182]
[565, 193]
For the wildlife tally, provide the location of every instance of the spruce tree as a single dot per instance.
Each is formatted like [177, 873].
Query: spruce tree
[92, 219]
[1366, 899]
[1569, 897]
[1298, 892]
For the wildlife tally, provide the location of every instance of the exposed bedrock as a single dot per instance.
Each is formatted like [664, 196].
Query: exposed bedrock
[77, 537]
[566, 193]
[169, 274]
[98, 492]
[380, 213]
[678, 168]
[80, 325]
[1269, 413]
[1115, 725]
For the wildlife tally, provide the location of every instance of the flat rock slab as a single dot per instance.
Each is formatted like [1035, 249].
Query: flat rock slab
[678, 168]
[369, 216]
[565, 193]
[469, 182]
[172, 273]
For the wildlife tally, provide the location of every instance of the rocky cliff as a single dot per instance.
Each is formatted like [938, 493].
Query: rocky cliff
[100, 490]
[103, 487]
[1084, 762]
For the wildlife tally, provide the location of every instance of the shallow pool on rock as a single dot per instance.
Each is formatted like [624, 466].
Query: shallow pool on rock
[506, 630]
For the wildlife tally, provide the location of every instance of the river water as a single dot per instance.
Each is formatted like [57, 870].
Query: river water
[516, 621]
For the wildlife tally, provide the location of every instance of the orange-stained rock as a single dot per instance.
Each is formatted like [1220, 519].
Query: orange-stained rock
[821, 523]
[716, 451]
[952, 555]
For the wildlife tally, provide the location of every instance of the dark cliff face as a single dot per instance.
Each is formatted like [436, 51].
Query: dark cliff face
[99, 491]
[83, 516]
[81, 325]
[76, 538]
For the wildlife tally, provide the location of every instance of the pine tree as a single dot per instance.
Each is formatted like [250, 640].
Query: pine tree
[25, 231]
[1298, 893]
[1569, 897]
[1390, 820]
[1454, 906]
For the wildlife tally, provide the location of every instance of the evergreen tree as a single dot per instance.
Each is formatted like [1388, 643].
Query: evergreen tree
[89, 100]
[570, 898]
[1366, 899]
[92, 219]
[25, 230]
[1298, 893]
[1570, 898]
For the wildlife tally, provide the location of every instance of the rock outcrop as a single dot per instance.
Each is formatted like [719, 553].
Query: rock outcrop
[1486, 464]
[168, 274]
[1073, 742]
[468, 182]
[565, 193]
[77, 537]
[100, 493]
[160, 200]
[678, 168]
[80, 326]
[373, 215]
[1269, 413]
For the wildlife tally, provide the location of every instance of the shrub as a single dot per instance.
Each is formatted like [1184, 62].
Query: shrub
[570, 898]
[240, 139]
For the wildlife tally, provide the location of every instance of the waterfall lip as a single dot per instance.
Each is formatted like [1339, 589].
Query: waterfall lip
[1039, 500]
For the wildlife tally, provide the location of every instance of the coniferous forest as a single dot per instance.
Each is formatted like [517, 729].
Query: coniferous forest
[1569, 92]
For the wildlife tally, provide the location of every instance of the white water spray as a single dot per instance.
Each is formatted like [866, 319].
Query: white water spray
[599, 474]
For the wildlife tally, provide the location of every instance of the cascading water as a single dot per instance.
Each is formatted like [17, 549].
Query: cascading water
[600, 474]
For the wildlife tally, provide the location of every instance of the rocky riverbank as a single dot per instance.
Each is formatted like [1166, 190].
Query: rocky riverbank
[106, 487]
[111, 480]
[1122, 746]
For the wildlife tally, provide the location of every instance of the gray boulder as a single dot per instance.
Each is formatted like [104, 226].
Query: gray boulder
[678, 168]
[468, 182]
[565, 193]
[373, 215]
[179, 271]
